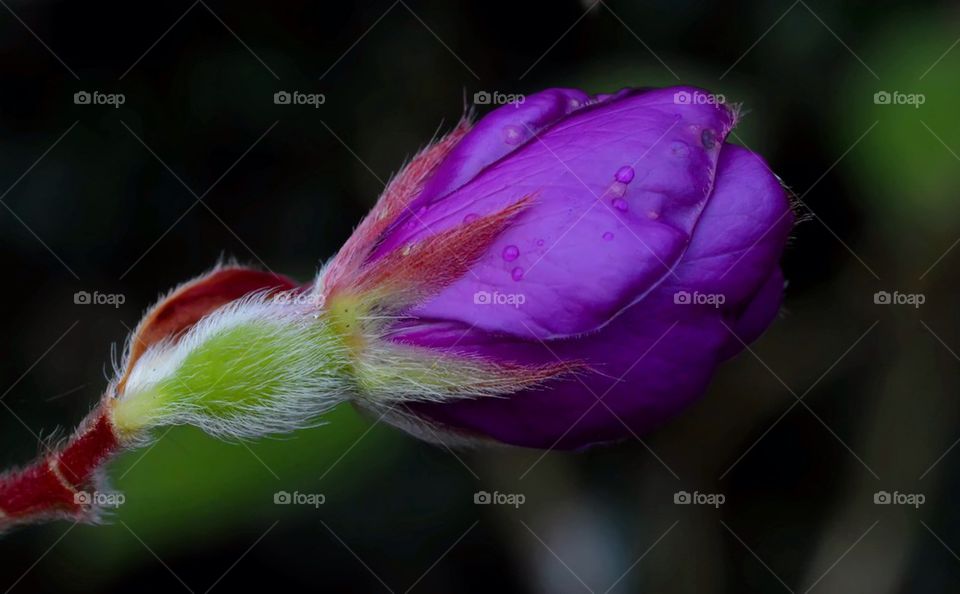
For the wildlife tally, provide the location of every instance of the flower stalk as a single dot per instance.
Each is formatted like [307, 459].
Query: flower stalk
[53, 486]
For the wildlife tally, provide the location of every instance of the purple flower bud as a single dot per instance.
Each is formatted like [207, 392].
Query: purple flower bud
[623, 236]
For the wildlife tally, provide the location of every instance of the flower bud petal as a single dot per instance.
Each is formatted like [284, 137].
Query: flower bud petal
[556, 254]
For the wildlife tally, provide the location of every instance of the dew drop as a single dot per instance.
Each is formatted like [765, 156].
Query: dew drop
[608, 236]
[620, 204]
[653, 215]
[679, 149]
[539, 243]
[512, 134]
[517, 273]
[471, 217]
[624, 174]
[511, 253]
[708, 138]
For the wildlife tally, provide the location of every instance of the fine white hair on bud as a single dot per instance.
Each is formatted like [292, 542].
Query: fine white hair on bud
[251, 368]
[390, 373]
[269, 364]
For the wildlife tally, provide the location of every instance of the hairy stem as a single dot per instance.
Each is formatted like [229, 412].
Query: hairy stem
[54, 485]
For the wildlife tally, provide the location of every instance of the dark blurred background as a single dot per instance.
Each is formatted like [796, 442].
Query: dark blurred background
[198, 163]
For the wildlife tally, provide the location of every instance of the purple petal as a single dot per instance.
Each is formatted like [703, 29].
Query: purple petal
[652, 362]
[740, 237]
[662, 352]
[757, 315]
[591, 244]
[500, 132]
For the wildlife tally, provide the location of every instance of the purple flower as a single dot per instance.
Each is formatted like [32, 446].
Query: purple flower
[568, 271]
[623, 236]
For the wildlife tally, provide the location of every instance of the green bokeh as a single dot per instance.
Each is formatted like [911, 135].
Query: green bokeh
[189, 490]
[909, 163]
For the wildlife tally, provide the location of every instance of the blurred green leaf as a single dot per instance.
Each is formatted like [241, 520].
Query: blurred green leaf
[189, 489]
[909, 163]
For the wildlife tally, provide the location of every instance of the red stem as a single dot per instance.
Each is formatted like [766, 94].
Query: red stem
[49, 487]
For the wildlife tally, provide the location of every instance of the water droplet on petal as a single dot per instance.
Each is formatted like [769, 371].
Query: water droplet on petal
[708, 138]
[517, 273]
[422, 210]
[539, 243]
[624, 174]
[679, 149]
[471, 217]
[510, 253]
[653, 215]
[512, 134]
[620, 204]
[608, 236]
[617, 189]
